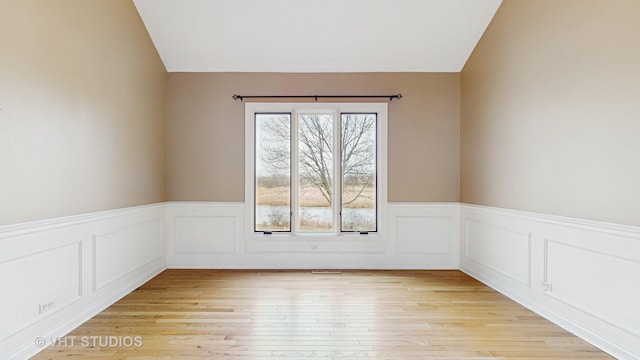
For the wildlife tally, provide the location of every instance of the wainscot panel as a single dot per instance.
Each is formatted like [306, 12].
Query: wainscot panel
[58, 273]
[486, 243]
[582, 275]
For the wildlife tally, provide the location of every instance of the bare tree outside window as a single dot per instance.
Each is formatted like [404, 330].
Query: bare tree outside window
[315, 161]
[273, 172]
[358, 149]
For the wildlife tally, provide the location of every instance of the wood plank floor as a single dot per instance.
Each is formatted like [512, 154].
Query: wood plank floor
[213, 314]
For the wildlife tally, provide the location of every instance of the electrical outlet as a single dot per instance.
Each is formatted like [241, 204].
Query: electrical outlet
[314, 247]
[42, 308]
[547, 287]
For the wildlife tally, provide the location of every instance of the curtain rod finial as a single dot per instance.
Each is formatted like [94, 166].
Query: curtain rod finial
[236, 97]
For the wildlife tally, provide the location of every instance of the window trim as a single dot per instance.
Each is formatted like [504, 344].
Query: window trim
[381, 109]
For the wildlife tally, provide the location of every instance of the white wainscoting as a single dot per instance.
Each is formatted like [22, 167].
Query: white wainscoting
[56, 274]
[212, 235]
[582, 275]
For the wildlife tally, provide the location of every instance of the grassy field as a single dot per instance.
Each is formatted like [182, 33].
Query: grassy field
[279, 196]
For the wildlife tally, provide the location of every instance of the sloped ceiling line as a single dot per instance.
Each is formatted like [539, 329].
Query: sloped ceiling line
[315, 36]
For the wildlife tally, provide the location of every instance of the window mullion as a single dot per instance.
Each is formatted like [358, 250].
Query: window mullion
[295, 174]
[337, 172]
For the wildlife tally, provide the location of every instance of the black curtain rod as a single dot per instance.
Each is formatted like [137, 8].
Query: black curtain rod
[242, 97]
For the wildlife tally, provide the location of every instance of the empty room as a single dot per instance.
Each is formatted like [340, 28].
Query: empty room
[294, 179]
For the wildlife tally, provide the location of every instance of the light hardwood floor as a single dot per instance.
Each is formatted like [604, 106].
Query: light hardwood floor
[213, 314]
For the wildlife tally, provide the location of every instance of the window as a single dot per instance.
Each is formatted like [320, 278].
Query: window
[315, 168]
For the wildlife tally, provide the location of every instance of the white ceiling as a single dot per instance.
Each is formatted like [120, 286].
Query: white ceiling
[315, 35]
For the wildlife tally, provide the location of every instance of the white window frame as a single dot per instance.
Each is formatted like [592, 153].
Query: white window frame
[348, 241]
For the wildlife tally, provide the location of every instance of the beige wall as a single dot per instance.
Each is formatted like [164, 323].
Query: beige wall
[82, 93]
[206, 130]
[551, 110]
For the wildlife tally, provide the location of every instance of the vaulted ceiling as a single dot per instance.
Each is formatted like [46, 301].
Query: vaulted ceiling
[315, 35]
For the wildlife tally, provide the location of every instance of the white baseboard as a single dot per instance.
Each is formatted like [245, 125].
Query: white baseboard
[61, 272]
[582, 275]
[212, 235]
